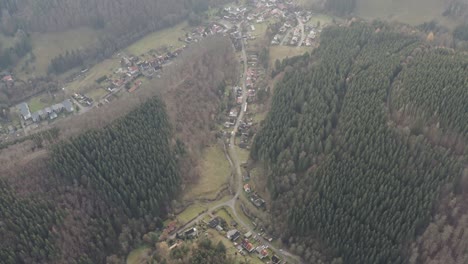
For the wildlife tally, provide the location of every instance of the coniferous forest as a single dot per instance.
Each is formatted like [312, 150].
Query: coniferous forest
[121, 178]
[130, 163]
[342, 170]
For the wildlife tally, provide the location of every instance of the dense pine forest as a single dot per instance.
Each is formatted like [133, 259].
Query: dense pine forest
[130, 162]
[130, 165]
[345, 172]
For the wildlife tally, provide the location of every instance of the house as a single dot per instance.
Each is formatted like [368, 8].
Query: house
[233, 113]
[133, 70]
[175, 245]
[24, 111]
[36, 117]
[68, 105]
[42, 114]
[214, 222]
[57, 108]
[191, 233]
[53, 115]
[248, 234]
[7, 78]
[249, 247]
[275, 259]
[261, 252]
[247, 188]
[48, 110]
[233, 235]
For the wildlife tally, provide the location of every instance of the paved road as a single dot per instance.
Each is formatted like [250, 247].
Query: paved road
[231, 155]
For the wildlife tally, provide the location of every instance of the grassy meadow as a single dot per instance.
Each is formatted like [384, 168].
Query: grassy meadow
[215, 171]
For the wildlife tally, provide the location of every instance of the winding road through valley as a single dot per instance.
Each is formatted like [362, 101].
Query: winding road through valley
[231, 155]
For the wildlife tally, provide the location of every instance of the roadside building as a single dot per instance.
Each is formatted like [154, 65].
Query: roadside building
[24, 111]
[233, 235]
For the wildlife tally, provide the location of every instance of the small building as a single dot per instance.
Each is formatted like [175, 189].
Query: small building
[247, 188]
[248, 234]
[7, 78]
[219, 228]
[191, 233]
[24, 111]
[214, 222]
[233, 113]
[36, 117]
[42, 114]
[48, 110]
[53, 115]
[57, 108]
[233, 235]
[275, 259]
[261, 252]
[249, 247]
[68, 105]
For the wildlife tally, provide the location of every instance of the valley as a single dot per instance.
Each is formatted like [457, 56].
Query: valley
[247, 132]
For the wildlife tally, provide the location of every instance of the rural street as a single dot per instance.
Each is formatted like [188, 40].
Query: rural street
[231, 155]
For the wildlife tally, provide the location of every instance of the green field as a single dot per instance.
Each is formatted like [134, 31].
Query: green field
[242, 154]
[105, 67]
[191, 212]
[166, 37]
[413, 12]
[214, 170]
[138, 255]
[322, 18]
[6, 41]
[47, 46]
[97, 94]
[44, 100]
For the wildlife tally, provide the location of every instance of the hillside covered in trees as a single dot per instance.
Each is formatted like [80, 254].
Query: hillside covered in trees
[347, 175]
[111, 176]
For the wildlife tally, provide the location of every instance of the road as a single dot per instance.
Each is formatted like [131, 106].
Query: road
[231, 155]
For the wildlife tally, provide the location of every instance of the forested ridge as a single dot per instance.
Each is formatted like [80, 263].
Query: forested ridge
[131, 162]
[339, 172]
[124, 177]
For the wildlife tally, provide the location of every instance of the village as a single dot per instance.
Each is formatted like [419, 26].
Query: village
[237, 22]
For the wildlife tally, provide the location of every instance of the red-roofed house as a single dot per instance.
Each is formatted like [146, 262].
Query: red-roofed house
[247, 188]
[248, 246]
[8, 78]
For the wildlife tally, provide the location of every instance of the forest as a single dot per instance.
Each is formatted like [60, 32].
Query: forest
[130, 176]
[346, 178]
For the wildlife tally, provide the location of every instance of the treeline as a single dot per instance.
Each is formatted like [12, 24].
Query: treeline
[340, 7]
[338, 173]
[11, 55]
[26, 228]
[63, 63]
